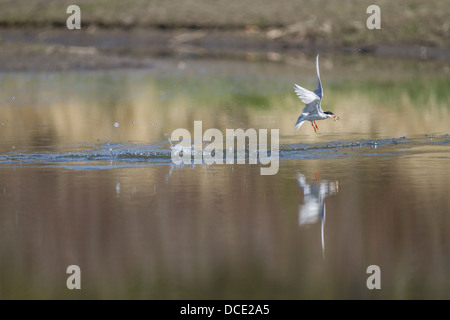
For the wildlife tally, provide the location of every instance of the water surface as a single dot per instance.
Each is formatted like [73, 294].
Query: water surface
[87, 179]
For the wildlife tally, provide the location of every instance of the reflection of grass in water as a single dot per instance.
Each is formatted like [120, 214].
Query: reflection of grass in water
[254, 101]
[222, 93]
[418, 91]
[264, 93]
[83, 105]
[225, 92]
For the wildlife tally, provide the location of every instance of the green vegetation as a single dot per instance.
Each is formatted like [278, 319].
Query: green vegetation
[418, 91]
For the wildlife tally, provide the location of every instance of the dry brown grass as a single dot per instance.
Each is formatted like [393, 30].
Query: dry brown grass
[332, 22]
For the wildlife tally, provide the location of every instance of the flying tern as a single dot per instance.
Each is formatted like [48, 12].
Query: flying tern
[312, 110]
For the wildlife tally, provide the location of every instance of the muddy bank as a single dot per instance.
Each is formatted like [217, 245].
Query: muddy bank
[118, 34]
[54, 49]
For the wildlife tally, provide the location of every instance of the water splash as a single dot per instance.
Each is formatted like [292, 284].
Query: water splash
[110, 155]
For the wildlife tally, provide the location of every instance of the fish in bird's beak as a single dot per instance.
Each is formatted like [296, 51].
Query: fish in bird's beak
[335, 117]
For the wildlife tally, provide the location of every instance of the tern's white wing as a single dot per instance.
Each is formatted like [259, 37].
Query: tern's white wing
[319, 90]
[305, 95]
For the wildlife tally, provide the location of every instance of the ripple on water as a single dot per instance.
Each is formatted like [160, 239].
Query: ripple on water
[126, 155]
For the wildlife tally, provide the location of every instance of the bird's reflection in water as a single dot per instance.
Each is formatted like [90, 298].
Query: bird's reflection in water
[313, 208]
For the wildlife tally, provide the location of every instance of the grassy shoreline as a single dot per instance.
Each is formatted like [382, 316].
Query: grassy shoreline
[336, 23]
[34, 36]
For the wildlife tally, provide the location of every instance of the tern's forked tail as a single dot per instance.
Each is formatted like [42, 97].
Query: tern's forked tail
[300, 121]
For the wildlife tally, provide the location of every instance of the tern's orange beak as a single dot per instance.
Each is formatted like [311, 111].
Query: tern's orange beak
[335, 117]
